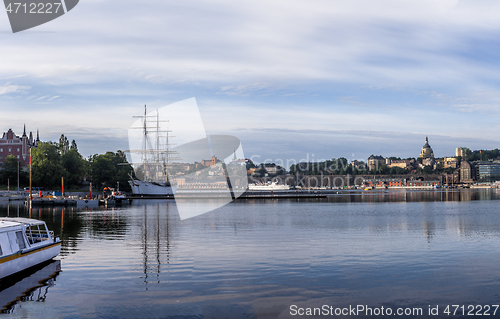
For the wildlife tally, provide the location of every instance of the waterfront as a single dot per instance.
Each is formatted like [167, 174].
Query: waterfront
[256, 258]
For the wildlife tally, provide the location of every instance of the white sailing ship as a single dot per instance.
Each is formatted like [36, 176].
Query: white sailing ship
[151, 160]
[25, 243]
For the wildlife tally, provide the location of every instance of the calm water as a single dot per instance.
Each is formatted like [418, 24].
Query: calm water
[257, 258]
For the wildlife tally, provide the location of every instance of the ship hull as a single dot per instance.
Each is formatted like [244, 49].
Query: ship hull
[151, 189]
[20, 261]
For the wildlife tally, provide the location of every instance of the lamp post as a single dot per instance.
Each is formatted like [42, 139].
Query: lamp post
[31, 169]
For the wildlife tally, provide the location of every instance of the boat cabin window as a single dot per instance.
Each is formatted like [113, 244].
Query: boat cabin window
[1, 253]
[20, 240]
[36, 234]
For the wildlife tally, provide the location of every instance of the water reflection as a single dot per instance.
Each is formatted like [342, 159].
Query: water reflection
[32, 285]
[438, 195]
[254, 258]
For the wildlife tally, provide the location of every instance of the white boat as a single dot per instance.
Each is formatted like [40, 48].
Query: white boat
[268, 187]
[154, 157]
[25, 243]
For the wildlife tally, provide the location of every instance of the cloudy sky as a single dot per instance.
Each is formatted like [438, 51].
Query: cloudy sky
[293, 79]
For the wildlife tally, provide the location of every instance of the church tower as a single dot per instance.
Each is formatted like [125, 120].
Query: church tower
[426, 150]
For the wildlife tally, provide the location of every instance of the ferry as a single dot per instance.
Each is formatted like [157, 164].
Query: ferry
[268, 187]
[25, 243]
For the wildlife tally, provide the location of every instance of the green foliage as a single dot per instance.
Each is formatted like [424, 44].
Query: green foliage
[481, 155]
[47, 165]
[107, 171]
[74, 165]
[10, 170]
[73, 146]
[63, 145]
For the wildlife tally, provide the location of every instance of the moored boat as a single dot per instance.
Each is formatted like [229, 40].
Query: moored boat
[268, 187]
[152, 159]
[25, 243]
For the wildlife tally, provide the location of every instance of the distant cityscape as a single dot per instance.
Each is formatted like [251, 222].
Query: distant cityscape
[466, 167]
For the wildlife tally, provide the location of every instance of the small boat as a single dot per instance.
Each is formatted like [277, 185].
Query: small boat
[110, 197]
[25, 243]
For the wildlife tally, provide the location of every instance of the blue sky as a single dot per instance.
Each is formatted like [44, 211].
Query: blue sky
[292, 79]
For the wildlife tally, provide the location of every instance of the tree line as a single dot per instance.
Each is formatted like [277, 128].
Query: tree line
[53, 160]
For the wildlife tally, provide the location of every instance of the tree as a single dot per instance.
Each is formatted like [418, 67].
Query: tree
[63, 146]
[10, 170]
[74, 165]
[73, 146]
[109, 169]
[47, 165]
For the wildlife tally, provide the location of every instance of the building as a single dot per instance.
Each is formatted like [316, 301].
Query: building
[10, 143]
[384, 183]
[460, 152]
[400, 163]
[374, 162]
[488, 171]
[426, 150]
[467, 172]
[450, 162]
[447, 162]
[211, 162]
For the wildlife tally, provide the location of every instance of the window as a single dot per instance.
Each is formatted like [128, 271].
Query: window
[1, 251]
[1, 149]
[10, 149]
[18, 150]
[20, 240]
[17, 156]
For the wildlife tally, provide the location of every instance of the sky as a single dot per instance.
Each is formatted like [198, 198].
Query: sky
[292, 79]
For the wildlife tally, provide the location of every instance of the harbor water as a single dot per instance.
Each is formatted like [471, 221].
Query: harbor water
[270, 258]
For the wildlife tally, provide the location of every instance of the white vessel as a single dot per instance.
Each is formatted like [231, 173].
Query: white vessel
[151, 188]
[268, 187]
[25, 243]
[150, 162]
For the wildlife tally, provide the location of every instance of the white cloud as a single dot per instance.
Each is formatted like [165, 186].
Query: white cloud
[10, 88]
[240, 50]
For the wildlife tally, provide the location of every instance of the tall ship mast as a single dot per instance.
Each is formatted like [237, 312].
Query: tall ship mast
[151, 156]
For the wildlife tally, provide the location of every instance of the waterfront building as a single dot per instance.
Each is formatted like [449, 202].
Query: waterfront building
[19, 146]
[423, 183]
[374, 162]
[467, 172]
[426, 150]
[384, 182]
[488, 171]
